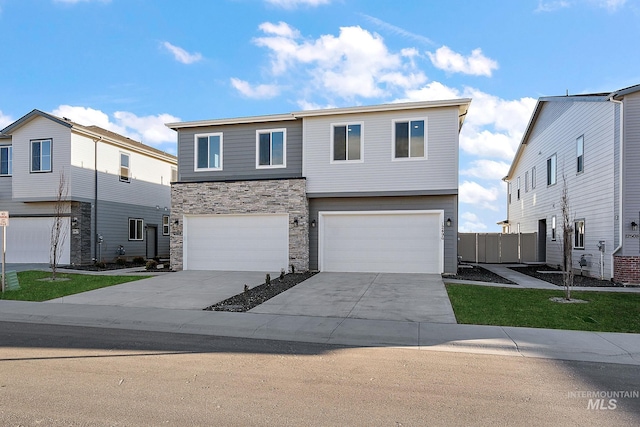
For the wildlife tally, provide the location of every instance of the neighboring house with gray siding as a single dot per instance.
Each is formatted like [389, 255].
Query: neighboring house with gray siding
[371, 188]
[591, 142]
[118, 191]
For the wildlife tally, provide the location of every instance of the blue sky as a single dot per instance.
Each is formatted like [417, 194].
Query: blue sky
[132, 65]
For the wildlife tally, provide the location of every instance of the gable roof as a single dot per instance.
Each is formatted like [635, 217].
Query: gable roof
[91, 132]
[462, 104]
[589, 97]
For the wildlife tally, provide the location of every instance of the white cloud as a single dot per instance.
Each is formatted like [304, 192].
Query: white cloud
[356, 63]
[182, 55]
[398, 30]
[552, 6]
[147, 129]
[81, 1]
[5, 120]
[475, 64]
[292, 4]
[610, 5]
[257, 91]
[486, 169]
[470, 222]
[473, 193]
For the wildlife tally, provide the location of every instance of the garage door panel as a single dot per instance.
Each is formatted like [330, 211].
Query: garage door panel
[237, 242]
[386, 242]
[29, 241]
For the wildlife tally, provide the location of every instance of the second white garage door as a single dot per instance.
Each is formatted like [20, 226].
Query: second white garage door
[381, 241]
[236, 242]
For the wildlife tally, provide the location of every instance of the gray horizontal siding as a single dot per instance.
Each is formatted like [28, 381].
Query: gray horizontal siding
[239, 152]
[447, 203]
[631, 190]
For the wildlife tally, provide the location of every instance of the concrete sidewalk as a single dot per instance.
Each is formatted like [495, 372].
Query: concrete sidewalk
[524, 342]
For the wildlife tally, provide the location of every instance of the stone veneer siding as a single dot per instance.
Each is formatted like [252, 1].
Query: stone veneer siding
[80, 233]
[626, 269]
[243, 197]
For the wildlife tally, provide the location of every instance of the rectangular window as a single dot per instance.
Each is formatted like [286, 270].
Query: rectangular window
[578, 234]
[518, 190]
[135, 228]
[409, 139]
[533, 177]
[347, 142]
[580, 154]
[174, 174]
[6, 160]
[41, 155]
[551, 170]
[124, 168]
[508, 193]
[526, 182]
[208, 152]
[165, 225]
[553, 228]
[271, 147]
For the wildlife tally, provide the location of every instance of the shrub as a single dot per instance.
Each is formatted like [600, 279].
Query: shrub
[121, 261]
[138, 260]
[267, 279]
[101, 264]
[151, 264]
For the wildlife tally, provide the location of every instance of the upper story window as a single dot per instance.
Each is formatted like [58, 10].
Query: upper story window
[518, 190]
[208, 152]
[6, 160]
[125, 175]
[508, 193]
[526, 182]
[552, 166]
[579, 234]
[533, 177]
[580, 154]
[409, 139]
[346, 144]
[41, 155]
[271, 148]
[174, 174]
[165, 225]
[136, 225]
[553, 227]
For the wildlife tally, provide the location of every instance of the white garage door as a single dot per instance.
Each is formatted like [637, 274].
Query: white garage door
[236, 242]
[29, 240]
[389, 241]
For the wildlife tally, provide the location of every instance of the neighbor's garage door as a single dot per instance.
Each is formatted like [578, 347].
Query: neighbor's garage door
[29, 240]
[236, 242]
[391, 242]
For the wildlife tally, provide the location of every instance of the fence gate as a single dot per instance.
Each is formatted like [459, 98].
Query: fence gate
[498, 248]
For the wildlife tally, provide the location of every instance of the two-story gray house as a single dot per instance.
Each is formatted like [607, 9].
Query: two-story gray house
[116, 200]
[590, 144]
[360, 189]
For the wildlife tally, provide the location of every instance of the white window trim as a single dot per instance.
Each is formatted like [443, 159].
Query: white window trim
[138, 221]
[580, 141]
[575, 232]
[554, 229]
[128, 179]
[554, 176]
[393, 140]
[518, 189]
[31, 155]
[339, 162]
[167, 225]
[284, 148]
[195, 151]
[533, 177]
[10, 159]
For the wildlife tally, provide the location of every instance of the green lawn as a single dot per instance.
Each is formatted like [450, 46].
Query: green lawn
[486, 305]
[32, 289]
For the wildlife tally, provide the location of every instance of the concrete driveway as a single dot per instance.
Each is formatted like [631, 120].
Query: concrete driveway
[379, 296]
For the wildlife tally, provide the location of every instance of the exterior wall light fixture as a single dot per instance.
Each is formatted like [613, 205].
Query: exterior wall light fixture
[313, 223]
[448, 222]
[634, 226]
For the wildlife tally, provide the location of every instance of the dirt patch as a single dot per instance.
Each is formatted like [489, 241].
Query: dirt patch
[554, 276]
[478, 274]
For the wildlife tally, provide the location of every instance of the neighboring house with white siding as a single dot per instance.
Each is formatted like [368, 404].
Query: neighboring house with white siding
[118, 191]
[592, 143]
[371, 188]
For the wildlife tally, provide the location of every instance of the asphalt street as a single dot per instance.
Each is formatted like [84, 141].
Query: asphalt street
[70, 375]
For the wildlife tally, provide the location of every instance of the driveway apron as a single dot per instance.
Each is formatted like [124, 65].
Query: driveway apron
[377, 296]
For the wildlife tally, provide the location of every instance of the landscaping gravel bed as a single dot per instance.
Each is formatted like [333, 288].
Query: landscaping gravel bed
[478, 274]
[251, 298]
[554, 276]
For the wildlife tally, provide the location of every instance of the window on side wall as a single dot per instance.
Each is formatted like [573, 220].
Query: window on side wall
[125, 175]
[553, 228]
[409, 139]
[578, 234]
[508, 193]
[533, 177]
[174, 174]
[41, 155]
[165, 225]
[346, 142]
[526, 182]
[136, 226]
[518, 190]
[6, 160]
[580, 154]
[551, 170]
[208, 152]
[271, 148]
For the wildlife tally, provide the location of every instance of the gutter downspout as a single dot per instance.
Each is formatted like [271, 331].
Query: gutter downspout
[621, 201]
[95, 197]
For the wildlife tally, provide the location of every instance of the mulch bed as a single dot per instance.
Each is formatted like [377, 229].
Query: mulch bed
[111, 266]
[253, 297]
[556, 277]
[478, 274]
